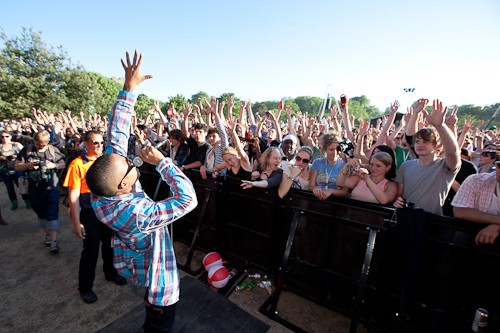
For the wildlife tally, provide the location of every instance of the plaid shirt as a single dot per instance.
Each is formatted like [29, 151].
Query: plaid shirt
[476, 192]
[143, 250]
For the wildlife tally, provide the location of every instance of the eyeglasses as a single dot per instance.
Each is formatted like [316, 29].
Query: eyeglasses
[130, 167]
[300, 159]
[95, 143]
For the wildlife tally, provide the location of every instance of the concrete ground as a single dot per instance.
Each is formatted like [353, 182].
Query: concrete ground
[38, 289]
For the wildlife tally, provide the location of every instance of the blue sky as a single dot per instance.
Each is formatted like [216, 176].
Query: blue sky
[266, 50]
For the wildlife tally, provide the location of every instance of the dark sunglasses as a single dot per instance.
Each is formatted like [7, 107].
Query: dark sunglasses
[300, 159]
[95, 143]
[130, 167]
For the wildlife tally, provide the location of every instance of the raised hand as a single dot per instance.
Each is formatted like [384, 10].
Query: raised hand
[436, 118]
[133, 75]
[230, 102]
[222, 104]
[213, 104]
[187, 110]
[364, 126]
[334, 110]
[420, 106]
[395, 106]
[157, 106]
[467, 125]
[452, 118]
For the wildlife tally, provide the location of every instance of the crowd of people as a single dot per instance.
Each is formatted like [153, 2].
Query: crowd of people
[422, 159]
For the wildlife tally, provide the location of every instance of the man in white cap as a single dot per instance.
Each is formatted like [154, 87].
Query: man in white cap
[289, 147]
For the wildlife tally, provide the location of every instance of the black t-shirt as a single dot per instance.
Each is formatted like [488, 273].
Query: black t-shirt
[196, 152]
[467, 169]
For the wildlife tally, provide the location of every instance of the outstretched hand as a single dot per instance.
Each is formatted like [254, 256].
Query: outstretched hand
[133, 75]
[437, 116]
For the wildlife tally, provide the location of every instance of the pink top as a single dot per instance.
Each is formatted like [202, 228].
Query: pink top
[361, 191]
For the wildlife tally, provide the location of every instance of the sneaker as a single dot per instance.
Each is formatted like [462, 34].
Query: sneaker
[88, 296]
[54, 247]
[48, 241]
[117, 279]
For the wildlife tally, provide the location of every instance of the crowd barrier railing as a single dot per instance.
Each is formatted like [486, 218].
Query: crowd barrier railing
[422, 272]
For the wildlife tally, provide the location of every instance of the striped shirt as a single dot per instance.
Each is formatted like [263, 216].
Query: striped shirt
[143, 250]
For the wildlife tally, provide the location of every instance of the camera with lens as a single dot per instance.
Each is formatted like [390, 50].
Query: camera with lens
[408, 204]
[346, 147]
[43, 169]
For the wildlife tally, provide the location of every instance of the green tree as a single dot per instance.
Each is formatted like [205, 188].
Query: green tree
[142, 105]
[259, 108]
[360, 107]
[32, 74]
[236, 108]
[199, 95]
[308, 104]
[103, 92]
[178, 101]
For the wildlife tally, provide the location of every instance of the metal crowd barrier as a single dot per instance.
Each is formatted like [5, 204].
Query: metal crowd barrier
[423, 273]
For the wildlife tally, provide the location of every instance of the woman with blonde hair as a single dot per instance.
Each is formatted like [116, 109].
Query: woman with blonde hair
[237, 164]
[236, 161]
[373, 184]
[270, 175]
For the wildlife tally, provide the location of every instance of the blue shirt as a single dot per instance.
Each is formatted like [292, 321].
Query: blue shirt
[326, 173]
[143, 250]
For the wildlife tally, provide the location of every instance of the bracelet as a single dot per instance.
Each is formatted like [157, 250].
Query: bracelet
[290, 178]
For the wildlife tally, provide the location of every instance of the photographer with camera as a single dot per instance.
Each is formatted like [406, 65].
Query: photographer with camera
[40, 162]
[8, 153]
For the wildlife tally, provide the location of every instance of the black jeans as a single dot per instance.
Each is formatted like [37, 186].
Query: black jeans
[9, 179]
[159, 319]
[95, 232]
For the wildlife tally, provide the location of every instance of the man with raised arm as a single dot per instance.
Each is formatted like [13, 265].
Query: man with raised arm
[427, 180]
[143, 250]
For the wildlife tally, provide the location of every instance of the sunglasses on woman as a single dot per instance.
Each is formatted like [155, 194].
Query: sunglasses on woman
[300, 159]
